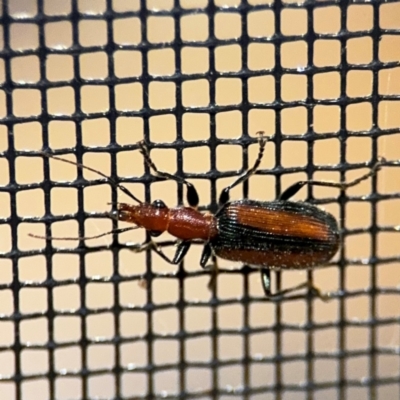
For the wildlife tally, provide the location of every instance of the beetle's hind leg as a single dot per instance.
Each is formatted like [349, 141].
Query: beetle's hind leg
[266, 284]
[293, 189]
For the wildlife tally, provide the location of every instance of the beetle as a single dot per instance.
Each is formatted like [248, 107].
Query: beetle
[269, 235]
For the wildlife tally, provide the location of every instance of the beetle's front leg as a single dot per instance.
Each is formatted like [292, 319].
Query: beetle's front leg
[180, 253]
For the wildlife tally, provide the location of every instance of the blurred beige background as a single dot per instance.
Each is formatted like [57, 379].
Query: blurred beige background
[196, 126]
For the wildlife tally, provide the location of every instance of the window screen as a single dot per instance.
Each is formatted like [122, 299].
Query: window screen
[196, 79]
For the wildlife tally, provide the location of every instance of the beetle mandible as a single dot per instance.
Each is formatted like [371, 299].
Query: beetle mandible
[279, 234]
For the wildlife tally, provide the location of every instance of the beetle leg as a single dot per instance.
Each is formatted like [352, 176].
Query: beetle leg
[306, 285]
[192, 196]
[139, 247]
[292, 190]
[205, 255]
[181, 251]
[224, 196]
[266, 283]
[214, 274]
[150, 245]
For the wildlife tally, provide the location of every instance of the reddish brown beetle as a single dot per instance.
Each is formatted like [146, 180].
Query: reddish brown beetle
[277, 234]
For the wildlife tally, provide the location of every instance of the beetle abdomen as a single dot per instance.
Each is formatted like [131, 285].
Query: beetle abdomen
[277, 234]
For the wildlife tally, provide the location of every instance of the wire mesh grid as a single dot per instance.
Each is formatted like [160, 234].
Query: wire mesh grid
[196, 80]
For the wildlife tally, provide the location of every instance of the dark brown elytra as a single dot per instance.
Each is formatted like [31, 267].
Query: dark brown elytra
[278, 234]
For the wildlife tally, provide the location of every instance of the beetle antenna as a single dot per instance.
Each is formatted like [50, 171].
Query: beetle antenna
[115, 231]
[110, 180]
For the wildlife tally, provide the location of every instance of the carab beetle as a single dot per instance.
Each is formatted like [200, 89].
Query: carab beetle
[279, 234]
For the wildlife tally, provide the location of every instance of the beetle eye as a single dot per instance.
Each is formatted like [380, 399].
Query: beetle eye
[155, 233]
[158, 204]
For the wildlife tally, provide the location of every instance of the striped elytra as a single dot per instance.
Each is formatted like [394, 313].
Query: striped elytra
[277, 234]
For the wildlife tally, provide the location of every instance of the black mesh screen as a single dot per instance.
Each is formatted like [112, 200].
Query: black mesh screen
[195, 79]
